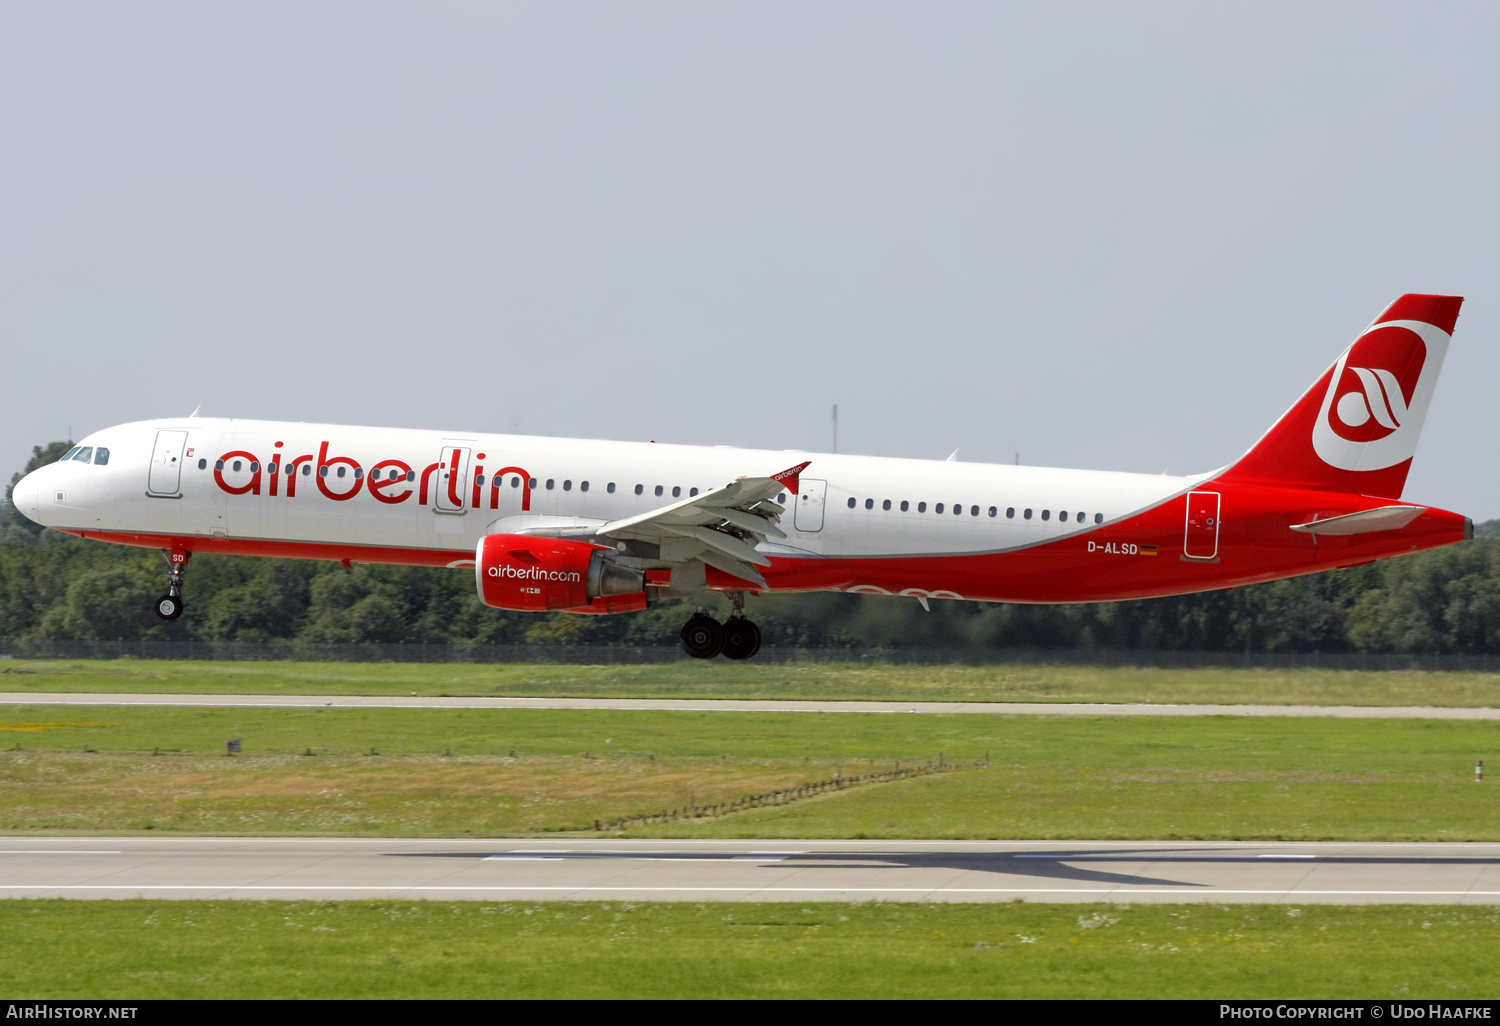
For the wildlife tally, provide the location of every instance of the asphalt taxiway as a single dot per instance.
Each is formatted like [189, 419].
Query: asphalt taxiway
[676, 870]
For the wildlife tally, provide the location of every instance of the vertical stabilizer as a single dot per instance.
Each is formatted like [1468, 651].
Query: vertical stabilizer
[1356, 429]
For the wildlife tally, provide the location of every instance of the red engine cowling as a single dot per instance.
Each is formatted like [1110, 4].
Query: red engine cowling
[532, 574]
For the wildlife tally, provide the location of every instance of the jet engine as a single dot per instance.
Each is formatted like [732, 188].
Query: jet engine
[534, 574]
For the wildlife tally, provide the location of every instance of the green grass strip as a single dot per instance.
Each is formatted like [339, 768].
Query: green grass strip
[516, 771]
[719, 679]
[228, 949]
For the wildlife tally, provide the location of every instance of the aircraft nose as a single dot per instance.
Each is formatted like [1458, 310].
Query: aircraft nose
[27, 495]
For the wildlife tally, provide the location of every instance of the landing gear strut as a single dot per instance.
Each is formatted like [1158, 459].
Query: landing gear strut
[704, 637]
[169, 606]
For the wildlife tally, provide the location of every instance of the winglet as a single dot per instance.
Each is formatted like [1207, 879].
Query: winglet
[790, 476]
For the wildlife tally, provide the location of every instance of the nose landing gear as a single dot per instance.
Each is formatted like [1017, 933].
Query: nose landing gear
[169, 606]
[704, 637]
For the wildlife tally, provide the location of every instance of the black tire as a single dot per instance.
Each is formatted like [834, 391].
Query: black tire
[169, 607]
[702, 637]
[741, 639]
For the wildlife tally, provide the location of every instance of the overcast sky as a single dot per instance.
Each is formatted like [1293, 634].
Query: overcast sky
[1120, 236]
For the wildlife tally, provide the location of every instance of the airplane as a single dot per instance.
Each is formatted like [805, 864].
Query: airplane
[609, 527]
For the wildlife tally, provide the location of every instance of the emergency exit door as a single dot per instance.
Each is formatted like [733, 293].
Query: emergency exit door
[1201, 540]
[809, 515]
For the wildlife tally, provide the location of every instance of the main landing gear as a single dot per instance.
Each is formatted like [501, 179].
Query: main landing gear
[169, 606]
[703, 637]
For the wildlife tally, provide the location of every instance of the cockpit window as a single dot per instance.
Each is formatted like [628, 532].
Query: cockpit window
[101, 456]
[70, 454]
[85, 453]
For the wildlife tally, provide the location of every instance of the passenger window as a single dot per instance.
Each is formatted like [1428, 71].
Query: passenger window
[993, 511]
[567, 486]
[1098, 518]
[851, 502]
[84, 454]
[478, 478]
[70, 454]
[958, 509]
[1062, 515]
[973, 511]
[922, 507]
[583, 487]
[905, 505]
[869, 504]
[1010, 512]
[322, 471]
[359, 474]
[530, 482]
[374, 474]
[273, 468]
[938, 508]
[342, 469]
[639, 489]
[676, 491]
[411, 475]
[1046, 514]
[255, 467]
[1027, 514]
[692, 491]
[307, 469]
[237, 465]
[203, 464]
[658, 490]
[218, 464]
[886, 504]
[101, 457]
[551, 484]
[610, 488]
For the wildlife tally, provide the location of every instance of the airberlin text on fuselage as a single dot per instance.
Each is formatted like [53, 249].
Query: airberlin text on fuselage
[388, 481]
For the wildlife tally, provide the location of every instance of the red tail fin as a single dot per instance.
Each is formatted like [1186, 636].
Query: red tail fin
[1356, 429]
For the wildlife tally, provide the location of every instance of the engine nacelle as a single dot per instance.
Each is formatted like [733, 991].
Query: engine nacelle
[534, 574]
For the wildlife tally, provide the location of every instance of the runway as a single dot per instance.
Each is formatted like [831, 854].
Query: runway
[759, 870]
[741, 705]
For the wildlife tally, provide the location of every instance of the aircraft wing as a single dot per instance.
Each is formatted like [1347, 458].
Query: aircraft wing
[720, 527]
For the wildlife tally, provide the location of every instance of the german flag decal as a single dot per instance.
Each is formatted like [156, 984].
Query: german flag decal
[1148, 550]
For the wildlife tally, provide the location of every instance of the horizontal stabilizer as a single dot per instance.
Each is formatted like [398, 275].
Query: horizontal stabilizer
[1382, 518]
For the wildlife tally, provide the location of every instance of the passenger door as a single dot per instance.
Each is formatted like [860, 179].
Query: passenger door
[810, 500]
[1201, 537]
[165, 477]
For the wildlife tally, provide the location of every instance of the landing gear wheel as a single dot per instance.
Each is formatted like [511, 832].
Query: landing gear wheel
[169, 607]
[741, 638]
[702, 637]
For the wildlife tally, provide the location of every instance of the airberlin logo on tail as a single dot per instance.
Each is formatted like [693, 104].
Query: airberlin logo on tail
[1378, 396]
[1379, 399]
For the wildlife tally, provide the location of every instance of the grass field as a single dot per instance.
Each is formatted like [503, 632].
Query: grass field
[157, 949]
[508, 772]
[796, 680]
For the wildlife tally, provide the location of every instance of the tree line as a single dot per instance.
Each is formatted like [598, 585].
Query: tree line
[57, 587]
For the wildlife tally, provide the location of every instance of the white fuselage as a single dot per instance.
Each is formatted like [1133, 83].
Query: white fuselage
[900, 507]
